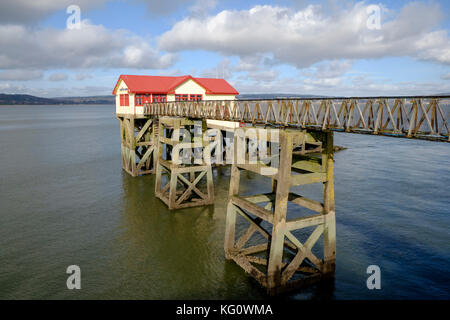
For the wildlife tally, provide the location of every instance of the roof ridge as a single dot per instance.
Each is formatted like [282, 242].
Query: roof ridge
[168, 84]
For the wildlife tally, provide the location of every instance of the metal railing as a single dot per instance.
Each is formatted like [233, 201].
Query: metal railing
[419, 117]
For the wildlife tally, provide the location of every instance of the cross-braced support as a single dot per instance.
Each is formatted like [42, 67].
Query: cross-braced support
[183, 175]
[283, 261]
[138, 138]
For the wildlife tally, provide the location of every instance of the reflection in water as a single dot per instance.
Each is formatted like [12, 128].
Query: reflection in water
[65, 200]
[174, 254]
[180, 252]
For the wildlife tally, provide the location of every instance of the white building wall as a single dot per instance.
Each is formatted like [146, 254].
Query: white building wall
[190, 87]
[122, 89]
[219, 97]
[130, 109]
[117, 103]
[134, 109]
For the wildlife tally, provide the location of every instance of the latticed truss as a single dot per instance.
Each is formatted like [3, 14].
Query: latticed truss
[408, 117]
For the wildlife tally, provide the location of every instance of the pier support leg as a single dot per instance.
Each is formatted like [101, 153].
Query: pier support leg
[138, 144]
[286, 259]
[230, 222]
[279, 215]
[328, 207]
[182, 179]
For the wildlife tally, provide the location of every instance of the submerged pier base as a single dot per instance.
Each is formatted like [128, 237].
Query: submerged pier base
[281, 252]
[183, 175]
[138, 136]
[289, 240]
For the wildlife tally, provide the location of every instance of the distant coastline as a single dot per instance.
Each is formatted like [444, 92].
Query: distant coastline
[22, 99]
[25, 99]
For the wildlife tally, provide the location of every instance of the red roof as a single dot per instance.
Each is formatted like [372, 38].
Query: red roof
[216, 86]
[165, 85]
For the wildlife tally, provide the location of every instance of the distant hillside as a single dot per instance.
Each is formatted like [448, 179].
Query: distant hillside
[89, 100]
[14, 99]
[24, 99]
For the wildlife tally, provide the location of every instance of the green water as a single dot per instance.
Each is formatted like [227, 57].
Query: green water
[64, 200]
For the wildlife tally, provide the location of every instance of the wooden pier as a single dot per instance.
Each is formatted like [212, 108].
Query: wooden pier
[184, 175]
[138, 136]
[304, 158]
[292, 142]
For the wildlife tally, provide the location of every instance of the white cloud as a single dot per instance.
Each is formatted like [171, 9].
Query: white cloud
[162, 7]
[254, 62]
[165, 7]
[20, 75]
[83, 76]
[171, 73]
[249, 63]
[58, 77]
[264, 75]
[222, 70]
[310, 35]
[434, 46]
[257, 68]
[358, 85]
[29, 11]
[330, 69]
[6, 87]
[325, 82]
[91, 46]
[260, 76]
[57, 91]
[201, 7]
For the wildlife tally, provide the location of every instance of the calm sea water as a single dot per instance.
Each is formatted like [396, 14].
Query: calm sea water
[64, 200]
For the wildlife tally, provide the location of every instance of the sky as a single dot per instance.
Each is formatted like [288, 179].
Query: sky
[55, 48]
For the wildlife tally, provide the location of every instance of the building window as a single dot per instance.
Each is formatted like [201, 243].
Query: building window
[139, 100]
[147, 98]
[196, 97]
[124, 100]
[181, 97]
[159, 98]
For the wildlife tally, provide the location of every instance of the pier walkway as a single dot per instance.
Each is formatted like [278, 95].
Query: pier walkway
[288, 141]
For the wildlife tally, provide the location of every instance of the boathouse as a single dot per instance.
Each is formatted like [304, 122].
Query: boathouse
[133, 91]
